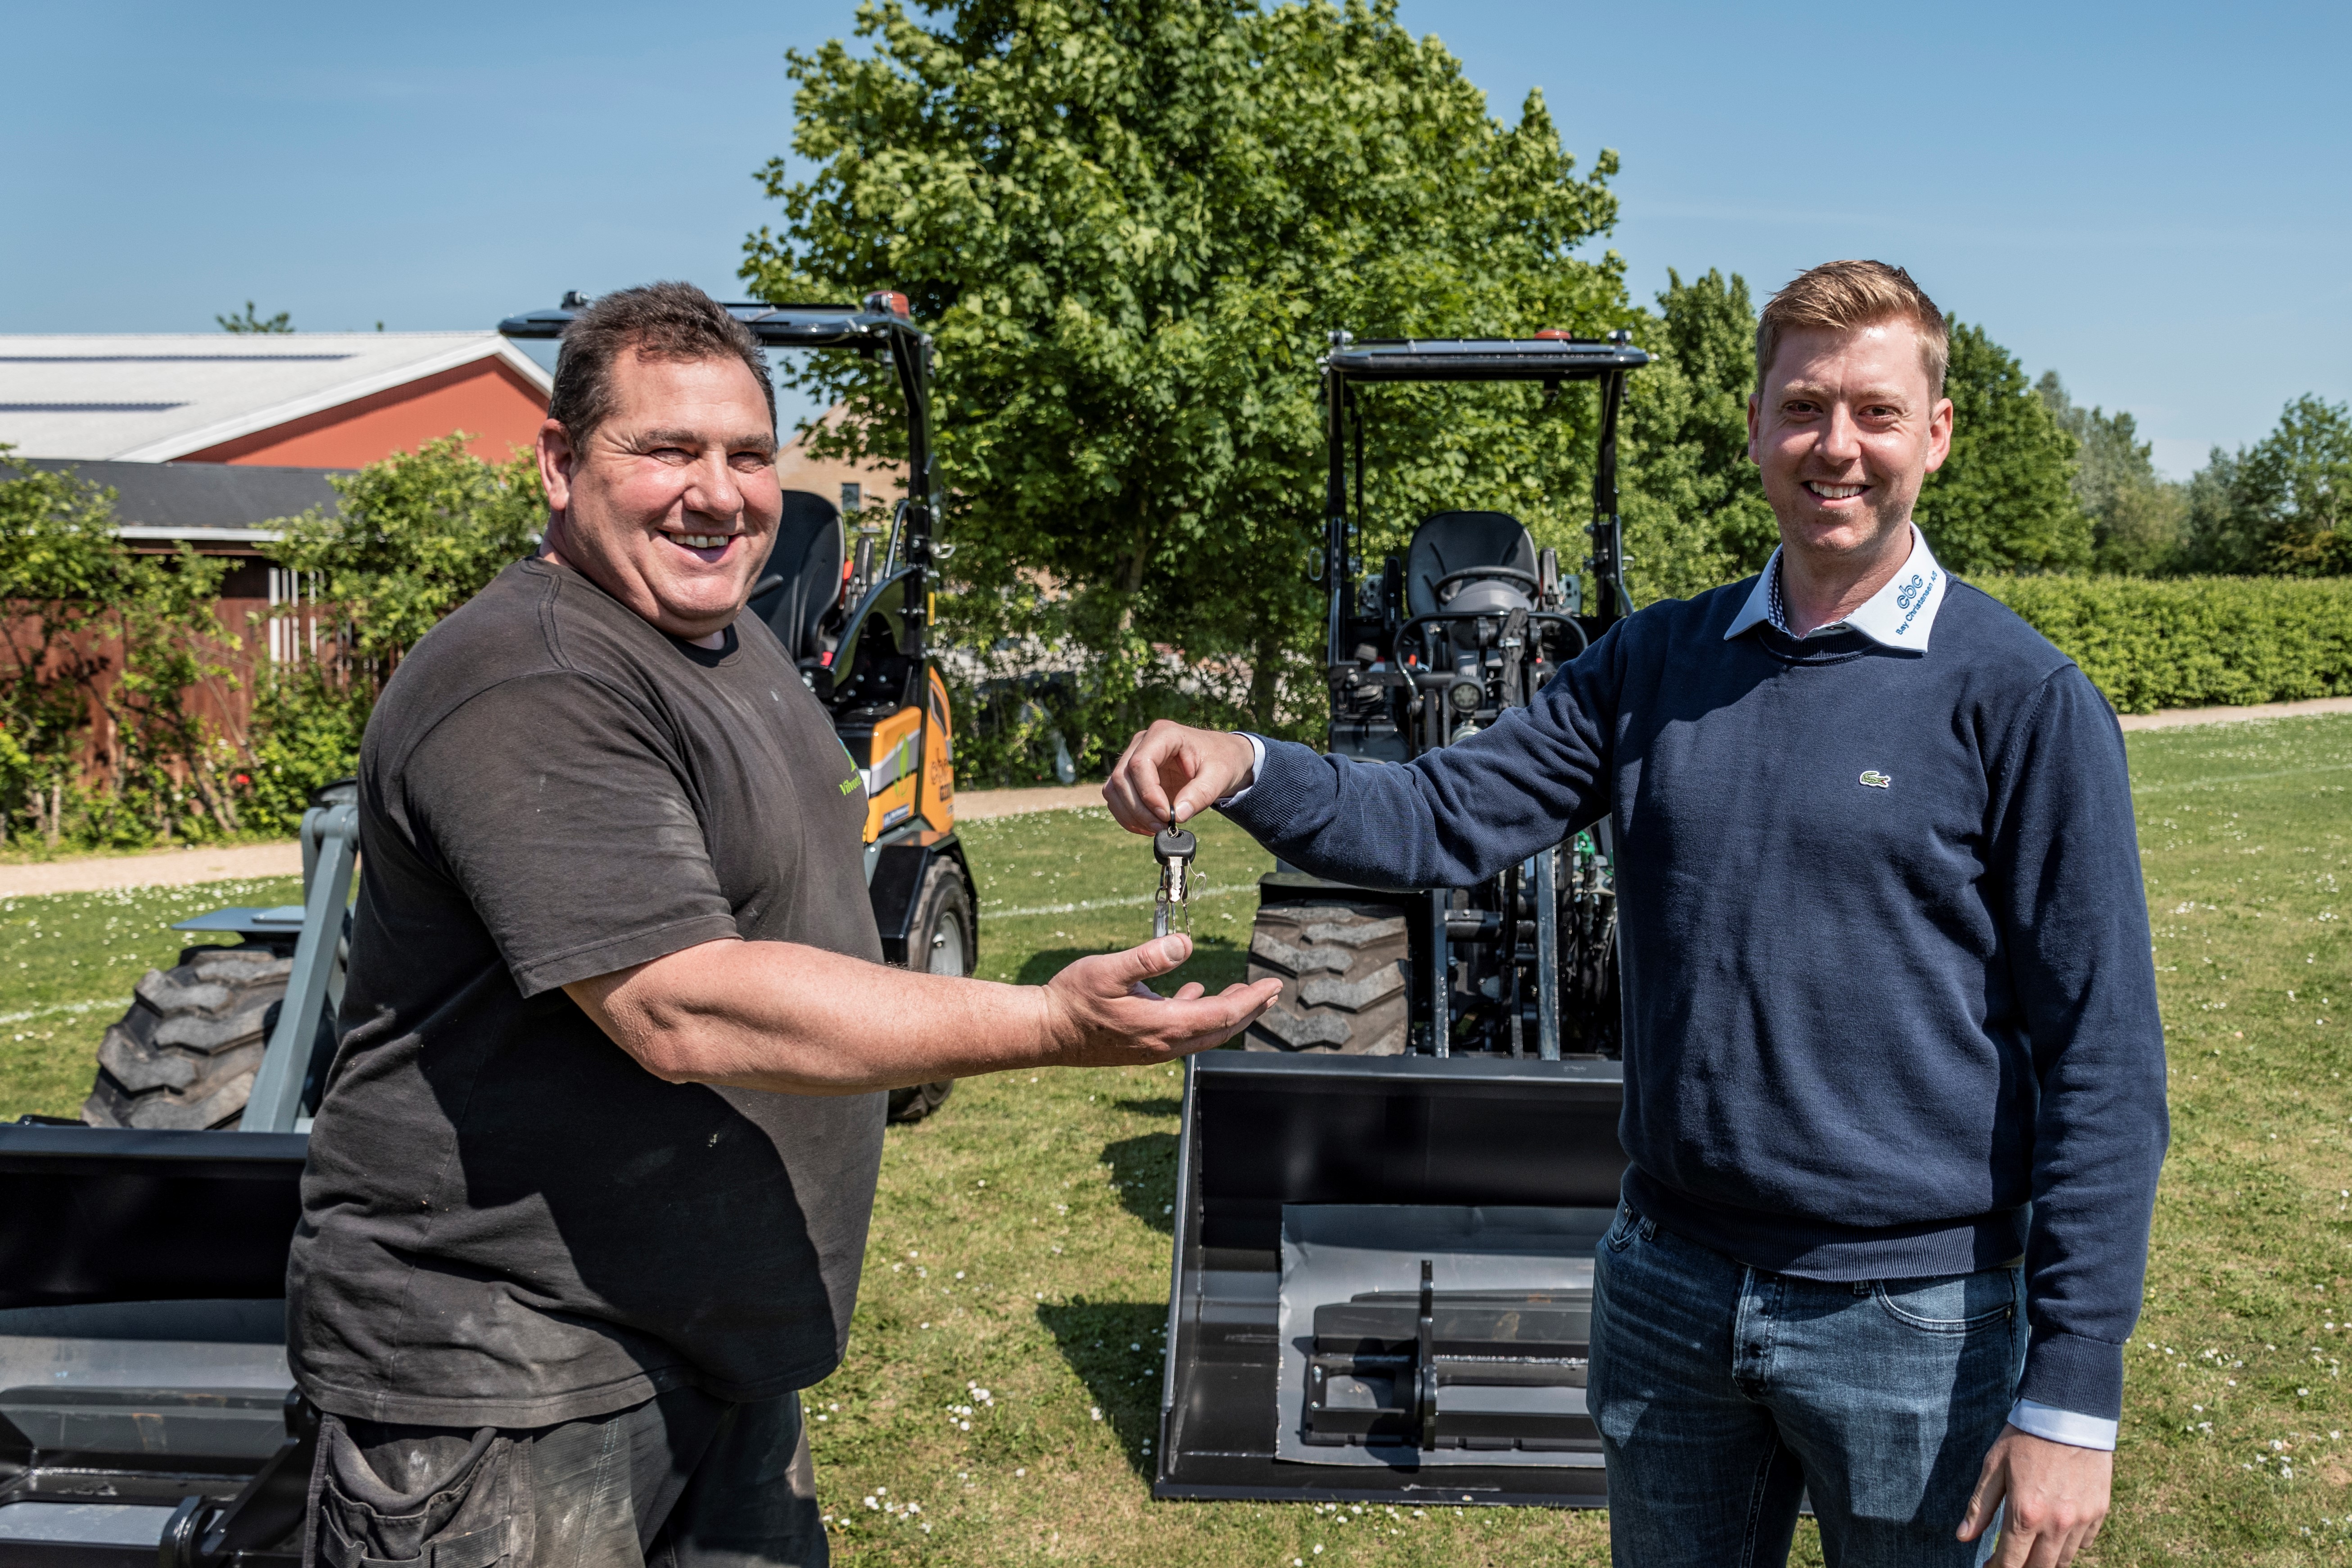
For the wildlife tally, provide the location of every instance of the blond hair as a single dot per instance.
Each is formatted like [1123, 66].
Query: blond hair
[1845, 296]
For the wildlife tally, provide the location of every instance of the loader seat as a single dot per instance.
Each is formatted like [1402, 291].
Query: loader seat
[807, 556]
[1453, 539]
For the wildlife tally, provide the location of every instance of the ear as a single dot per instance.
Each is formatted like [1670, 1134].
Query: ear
[1755, 413]
[1939, 434]
[556, 458]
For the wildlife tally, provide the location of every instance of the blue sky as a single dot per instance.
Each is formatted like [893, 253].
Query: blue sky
[2151, 199]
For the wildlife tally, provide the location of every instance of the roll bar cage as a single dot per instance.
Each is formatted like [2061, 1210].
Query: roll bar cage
[1550, 358]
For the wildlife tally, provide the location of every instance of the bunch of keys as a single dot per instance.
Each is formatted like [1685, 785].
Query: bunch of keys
[1173, 848]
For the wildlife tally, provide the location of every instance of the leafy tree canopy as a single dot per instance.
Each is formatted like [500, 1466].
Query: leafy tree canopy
[2004, 499]
[2137, 517]
[417, 535]
[248, 322]
[2291, 491]
[98, 629]
[1695, 514]
[1131, 223]
[2282, 505]
[59, 564]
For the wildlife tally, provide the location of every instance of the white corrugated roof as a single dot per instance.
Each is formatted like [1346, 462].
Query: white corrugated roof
[152, 396]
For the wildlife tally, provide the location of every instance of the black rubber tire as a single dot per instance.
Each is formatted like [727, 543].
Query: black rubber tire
[941, 940]
[185, 1053]
[1346, 971]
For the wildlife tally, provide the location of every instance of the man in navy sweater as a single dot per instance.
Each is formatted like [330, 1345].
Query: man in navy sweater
[1895, 1085]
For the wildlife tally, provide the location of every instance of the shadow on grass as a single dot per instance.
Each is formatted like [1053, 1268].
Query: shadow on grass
[1113, 1346]
[1143, 1169]
[1216, 963]
[1151, 1107]
[1047, 962]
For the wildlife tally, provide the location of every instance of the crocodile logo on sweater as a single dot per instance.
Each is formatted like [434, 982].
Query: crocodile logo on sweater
[1876, 779]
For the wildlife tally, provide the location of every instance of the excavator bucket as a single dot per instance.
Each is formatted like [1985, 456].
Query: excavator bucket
[1382, 1278]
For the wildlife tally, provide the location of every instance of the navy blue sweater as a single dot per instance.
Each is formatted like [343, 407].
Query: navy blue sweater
[1870, 1032]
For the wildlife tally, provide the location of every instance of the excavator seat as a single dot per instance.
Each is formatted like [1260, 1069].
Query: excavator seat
[802, 581]
[1451, 541]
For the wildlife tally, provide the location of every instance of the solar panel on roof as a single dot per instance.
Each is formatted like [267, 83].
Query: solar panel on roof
[89, 407]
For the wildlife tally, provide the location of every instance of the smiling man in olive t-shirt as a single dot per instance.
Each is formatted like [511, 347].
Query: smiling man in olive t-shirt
[588, 1192]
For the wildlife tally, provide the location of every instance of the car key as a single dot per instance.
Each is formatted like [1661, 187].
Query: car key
[1173, 848]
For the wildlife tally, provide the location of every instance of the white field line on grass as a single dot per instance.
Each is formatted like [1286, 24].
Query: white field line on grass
[2240, 778]
[56, 1008]
[1080, 908]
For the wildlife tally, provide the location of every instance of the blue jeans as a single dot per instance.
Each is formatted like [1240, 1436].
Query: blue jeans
[1724, 1393]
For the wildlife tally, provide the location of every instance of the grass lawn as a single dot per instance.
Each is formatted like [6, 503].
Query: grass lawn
[1019, 1243]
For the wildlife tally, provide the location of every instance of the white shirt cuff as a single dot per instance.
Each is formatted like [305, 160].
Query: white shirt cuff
[1258, 766]
[2063, 1426]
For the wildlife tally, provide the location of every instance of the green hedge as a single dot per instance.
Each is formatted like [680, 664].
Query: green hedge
[2194, 642]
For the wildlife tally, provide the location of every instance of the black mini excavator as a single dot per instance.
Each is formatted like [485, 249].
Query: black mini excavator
[1388, 1199]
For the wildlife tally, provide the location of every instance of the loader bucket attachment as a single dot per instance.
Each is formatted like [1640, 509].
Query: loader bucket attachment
[1382, 1278]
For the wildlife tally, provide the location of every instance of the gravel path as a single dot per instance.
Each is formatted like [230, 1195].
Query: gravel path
[178, 868]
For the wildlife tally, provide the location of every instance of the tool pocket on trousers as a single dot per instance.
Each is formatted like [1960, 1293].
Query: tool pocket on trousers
[1950, 1303]
[464, 1513]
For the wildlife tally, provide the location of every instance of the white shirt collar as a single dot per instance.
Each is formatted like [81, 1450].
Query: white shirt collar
[1899, 615]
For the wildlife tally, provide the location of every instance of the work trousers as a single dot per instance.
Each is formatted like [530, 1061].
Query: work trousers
[1725, 1394]
[682, 1480]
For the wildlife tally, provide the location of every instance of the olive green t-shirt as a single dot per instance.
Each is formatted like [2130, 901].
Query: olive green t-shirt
[506, 1220]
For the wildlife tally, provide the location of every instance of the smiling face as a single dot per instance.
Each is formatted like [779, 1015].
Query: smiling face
[1846, 428]
[670, 504]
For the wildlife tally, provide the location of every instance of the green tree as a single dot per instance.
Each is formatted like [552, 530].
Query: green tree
[173, 755]
[1130, 223]
[59, 561]
[248, 322]
[2215, 540]
[2004, 500]
[2293, 489]
[1695, 514]
[413, 537]
[101, 635]
[2138, 518]
[2282, 505]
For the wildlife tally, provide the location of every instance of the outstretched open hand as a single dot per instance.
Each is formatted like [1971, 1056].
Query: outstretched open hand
[1103, 1012]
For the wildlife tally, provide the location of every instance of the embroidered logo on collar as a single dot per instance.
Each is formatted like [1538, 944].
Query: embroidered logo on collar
[1914, 598]
[1876, 779]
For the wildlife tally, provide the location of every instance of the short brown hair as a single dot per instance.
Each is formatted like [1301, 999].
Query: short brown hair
[676, 322]
[1844, 296]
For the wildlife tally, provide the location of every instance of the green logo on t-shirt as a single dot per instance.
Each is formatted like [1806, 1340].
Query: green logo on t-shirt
[1876, 779]
[849, 784]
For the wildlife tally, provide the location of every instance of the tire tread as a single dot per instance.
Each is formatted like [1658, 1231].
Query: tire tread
[1344, 968]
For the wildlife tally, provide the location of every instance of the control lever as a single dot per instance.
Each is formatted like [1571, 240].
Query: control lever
[1172, 911]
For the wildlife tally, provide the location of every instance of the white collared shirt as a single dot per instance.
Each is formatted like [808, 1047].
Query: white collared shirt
[1900, 614]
